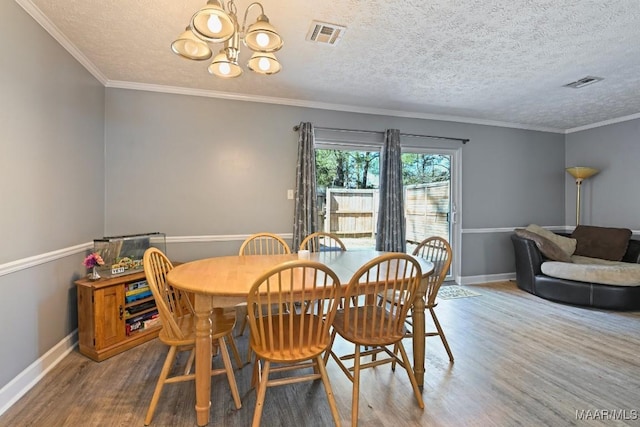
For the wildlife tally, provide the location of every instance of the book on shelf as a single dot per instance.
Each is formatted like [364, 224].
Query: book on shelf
[142, 317]
[140, 322]
[150, 323]
[131, 311]
[137, 290]
[136, 297]
[136, 285]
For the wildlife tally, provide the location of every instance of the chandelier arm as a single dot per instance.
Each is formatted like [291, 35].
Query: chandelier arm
[231, 7]
[246, 13]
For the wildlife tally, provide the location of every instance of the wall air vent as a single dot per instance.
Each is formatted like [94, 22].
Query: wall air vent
[322, 32]
[585, 81]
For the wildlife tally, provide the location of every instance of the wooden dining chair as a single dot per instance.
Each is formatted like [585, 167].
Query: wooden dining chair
[293, 340]
[260, 244]
[321, 241]
[264, 244]
[438, 251]
[364, 322]
[178, 329]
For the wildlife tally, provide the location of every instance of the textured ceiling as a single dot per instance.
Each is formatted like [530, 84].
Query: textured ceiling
[481, 61]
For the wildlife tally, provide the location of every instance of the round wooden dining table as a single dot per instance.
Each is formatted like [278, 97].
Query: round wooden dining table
[226, 281]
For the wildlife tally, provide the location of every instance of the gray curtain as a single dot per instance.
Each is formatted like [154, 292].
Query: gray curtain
[305, 218]
[391, 223]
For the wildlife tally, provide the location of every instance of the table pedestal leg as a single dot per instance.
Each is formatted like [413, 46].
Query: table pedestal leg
[203, 308]
[418, 338]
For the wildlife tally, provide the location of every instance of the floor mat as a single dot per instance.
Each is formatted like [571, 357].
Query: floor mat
[455, 291]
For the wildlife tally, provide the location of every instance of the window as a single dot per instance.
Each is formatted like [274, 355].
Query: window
[347, 185]
[427, 196]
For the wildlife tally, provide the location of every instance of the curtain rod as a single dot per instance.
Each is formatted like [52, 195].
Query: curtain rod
[411, 135]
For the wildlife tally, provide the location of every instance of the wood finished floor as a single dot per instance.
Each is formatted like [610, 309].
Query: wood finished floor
[520, 360]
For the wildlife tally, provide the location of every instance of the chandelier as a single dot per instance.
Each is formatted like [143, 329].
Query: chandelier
[215, 23]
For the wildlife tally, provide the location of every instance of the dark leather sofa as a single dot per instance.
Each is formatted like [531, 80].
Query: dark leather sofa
[529, 277]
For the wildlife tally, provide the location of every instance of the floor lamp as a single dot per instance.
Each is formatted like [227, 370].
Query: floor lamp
[580, 173]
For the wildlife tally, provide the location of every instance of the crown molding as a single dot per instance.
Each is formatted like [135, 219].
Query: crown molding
[603, 123]
[50, 27]
[320, 105]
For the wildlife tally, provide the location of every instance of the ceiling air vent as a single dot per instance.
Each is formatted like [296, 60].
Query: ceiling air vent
[585, 81]
[322, 32]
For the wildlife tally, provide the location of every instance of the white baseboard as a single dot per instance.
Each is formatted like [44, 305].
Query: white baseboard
[485, 278]
[25, 380]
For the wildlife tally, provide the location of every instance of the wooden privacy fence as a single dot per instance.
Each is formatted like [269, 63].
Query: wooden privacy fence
[426, 208]
[351, 212]
[354, 213]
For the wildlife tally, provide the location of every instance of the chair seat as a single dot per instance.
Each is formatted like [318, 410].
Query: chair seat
[224, 321]
[359, 327]
[287, 346]
[394, 297]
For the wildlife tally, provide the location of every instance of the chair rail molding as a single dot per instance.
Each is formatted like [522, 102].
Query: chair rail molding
[33, 261]
[561, 228]
[218, 238]
[511, 229]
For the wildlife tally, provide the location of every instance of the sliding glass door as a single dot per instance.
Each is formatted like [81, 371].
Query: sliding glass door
[347, 183]
[427, 196]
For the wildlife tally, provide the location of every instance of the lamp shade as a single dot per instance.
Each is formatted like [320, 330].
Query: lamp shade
[221, 66]
[212, 23]
[264, 63]
[581, 172]
[262, 37]
[189, 46]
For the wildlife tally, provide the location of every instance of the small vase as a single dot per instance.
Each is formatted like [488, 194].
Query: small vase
[94, 274]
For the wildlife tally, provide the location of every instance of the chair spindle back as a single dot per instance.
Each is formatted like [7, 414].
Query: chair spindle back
[171, 303]
[264, 244]
[294, 332]
[437, 250]
[388, 274]
[321, 241]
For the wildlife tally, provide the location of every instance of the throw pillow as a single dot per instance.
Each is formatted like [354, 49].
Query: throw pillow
[601, 242]
[567, 244]
[546, 246]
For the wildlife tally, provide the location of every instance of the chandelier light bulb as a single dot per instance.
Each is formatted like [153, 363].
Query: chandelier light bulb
[263, 64]
[224, 68]
[262, 39]
[214, 23]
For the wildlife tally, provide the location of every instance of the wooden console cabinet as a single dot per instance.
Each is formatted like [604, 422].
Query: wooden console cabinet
[104, 313]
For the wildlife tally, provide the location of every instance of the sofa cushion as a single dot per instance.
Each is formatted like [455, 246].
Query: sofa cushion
[567, 244]
[601, 242]
[546, 246]
[618, 273]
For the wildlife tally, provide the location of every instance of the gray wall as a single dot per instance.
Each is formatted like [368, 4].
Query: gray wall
[194, 166]
[51, 185]
[610, 198]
